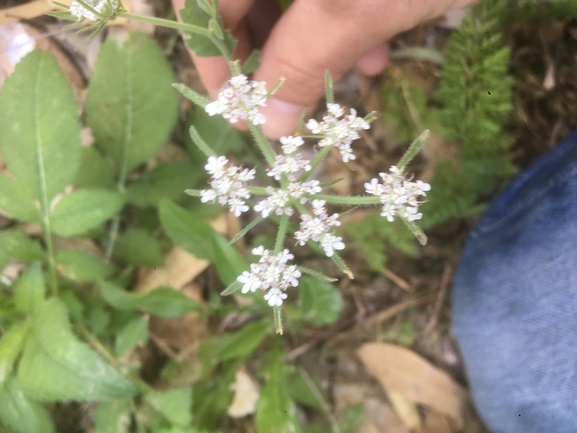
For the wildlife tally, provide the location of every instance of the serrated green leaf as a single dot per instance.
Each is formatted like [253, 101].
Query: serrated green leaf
[174, 404]
[17, 246]
[30, 289]
[55, 365]
[95, 171]
[187, 229]
[80, 266]
[168, 180]
[275, 410]
[242, 343]
[21, 414]
[11, 345]
[83, 210]
[201, 45]
[320, 302]
[228, 261]
[131, 106]
[112, 416]
[353, 417]
[163, 301]
[133, 333]
[138, 248]
[40, 138]
[16, 201]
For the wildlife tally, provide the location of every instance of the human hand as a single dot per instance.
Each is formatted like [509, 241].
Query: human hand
[310, 37]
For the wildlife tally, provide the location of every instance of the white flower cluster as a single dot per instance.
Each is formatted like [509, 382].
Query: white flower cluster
[271, 274]
[279, 200]
[339, 132]
[239, 99]
[319, 229]
[398, 195]
[291, 162]
[101, 6]
[228, 185]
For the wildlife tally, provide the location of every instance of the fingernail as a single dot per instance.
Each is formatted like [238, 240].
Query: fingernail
[281, 118]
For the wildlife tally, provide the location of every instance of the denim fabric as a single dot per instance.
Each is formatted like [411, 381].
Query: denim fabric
[514, 301]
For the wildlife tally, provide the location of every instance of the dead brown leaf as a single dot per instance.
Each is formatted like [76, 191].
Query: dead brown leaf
[400, 370]
[246, 392]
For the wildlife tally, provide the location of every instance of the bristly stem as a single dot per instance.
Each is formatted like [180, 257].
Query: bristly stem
[329, 90]
[277, 319]
[262, 143]
[349, 200]
[282, 229]
[167, 23]
[315, 162]
[414, 148]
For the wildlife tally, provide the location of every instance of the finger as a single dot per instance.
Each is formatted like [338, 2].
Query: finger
[375, 61]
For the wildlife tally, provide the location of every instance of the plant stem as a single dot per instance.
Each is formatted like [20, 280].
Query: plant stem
[50, 252]
[349, 200]
[315, 162]
[166, 23]
[316, 393]
[262, 143]
[282, 228]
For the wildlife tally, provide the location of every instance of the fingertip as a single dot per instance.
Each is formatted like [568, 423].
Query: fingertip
[281, 118]
[375, 61]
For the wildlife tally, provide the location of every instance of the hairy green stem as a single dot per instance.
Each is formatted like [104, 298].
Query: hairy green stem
[281, 234]
[262, 143]
[315, 162]
[349, 200]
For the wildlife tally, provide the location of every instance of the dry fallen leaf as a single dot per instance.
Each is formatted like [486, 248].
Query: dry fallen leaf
[400, 370]
[406, 410]
[246, 394]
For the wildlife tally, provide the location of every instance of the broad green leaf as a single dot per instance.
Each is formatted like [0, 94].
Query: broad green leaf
[167, 180]
[187, 229]
[112, 417]
[301, 391]
[40, 138]
[16, 201]
[11, 345]
[174, 404]
[353, 417]
[210, 399]
[73, 304]
[201, 45]
[83, 210]
[163, 301]
[133, 333]
[275, 410]
[228, 261]
[320, 302]
[57, 366]
[30, 289]
[98, 317]
[138, 248]
[21, 414]
[16, 245]
[80, 266]
[131, 106]
[95, 171]
[242, 343]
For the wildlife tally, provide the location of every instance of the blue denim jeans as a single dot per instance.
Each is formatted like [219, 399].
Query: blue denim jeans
[514, 301]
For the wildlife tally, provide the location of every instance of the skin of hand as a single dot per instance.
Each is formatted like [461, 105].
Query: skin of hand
[308, 38]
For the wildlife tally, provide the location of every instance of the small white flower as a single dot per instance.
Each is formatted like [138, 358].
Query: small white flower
[288, 165]
[291, 143]
[330, 242]
[399, 196]
[215, 165]
[319, 229]
[239, 99]
[339, 131]
[271, 275]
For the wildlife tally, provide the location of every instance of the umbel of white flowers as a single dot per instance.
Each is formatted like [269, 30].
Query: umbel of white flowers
[229, 185]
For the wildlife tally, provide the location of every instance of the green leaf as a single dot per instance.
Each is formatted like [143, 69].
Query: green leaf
[83, 210]
[17, 246]
[353, 417]
[11, 345]
[131, 106]
[242, 343]
[167, 180]
[228, 261]
[21, 414]
[138, 248]
[73, 304]
[187, 229]
[275, 410]
[211, 398]
[320, 302]
[30, 289]
[80, 266]
[164, 301]
[95, 171]
[112, 416]
[133, 333]
[57, 366]
[300, 390]
[174, 404]
[16, 201]
[201, 45]
[40, 138]
[252, 63]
